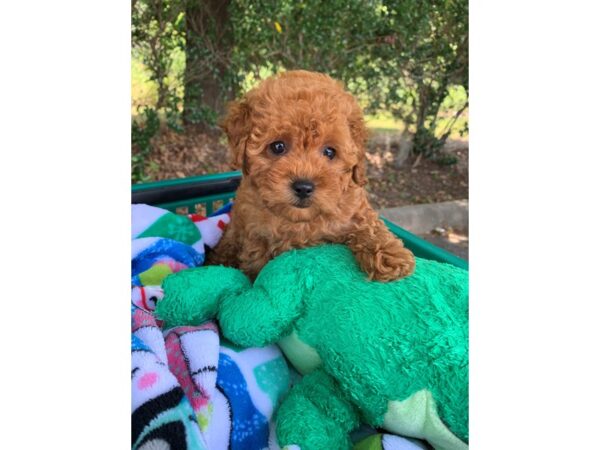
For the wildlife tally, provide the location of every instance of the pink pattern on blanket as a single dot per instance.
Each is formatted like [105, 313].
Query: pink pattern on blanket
[193, 354]
[147, 380]
[141, 318]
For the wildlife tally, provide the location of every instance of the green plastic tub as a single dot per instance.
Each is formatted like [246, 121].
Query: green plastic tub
[207, 193]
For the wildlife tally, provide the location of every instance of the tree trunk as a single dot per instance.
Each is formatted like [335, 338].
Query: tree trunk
[207, 59]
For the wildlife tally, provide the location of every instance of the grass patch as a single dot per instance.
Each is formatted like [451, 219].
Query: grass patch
[384, 123]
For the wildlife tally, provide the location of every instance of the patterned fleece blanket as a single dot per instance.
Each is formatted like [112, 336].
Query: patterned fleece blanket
[190, 389]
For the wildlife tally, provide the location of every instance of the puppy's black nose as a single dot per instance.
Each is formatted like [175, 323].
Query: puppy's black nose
[303, 188]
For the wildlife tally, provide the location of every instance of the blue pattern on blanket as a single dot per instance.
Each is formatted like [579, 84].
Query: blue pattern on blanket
[159, 249]
[250, 427]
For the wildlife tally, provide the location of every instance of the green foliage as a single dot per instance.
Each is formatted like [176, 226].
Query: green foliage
[400, 56]
[404, 58]
[157, 35]
[423, 56]
[444, 159]
[142, 132]
[157, 39]
[327, 36]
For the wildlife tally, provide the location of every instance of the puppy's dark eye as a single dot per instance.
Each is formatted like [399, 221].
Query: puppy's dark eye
[329, 152]
[277, 147]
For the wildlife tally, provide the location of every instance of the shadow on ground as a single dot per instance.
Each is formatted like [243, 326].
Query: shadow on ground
[456, 242]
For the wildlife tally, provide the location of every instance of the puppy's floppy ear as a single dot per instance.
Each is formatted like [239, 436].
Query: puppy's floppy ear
[236, 125]
[359, 173]
[359, 133]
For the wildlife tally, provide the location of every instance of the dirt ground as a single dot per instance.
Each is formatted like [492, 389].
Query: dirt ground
[180, 155]
[415, 181]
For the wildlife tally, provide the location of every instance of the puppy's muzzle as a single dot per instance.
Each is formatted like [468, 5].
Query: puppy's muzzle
[303, 189]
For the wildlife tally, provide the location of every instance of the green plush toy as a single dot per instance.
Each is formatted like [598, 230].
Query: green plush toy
[393, 355]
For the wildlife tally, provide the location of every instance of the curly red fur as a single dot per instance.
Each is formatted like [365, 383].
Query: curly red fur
[307, 111]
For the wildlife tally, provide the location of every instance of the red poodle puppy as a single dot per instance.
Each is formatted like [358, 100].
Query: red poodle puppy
[299, 139]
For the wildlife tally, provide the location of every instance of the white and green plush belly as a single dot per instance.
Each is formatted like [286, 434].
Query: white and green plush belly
[417, 417]
[302, 356]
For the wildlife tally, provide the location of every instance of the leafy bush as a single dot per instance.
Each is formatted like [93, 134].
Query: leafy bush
[142, 132]
[404, 57]
[401, 56]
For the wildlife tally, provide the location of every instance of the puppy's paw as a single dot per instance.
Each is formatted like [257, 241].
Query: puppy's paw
[389, 263]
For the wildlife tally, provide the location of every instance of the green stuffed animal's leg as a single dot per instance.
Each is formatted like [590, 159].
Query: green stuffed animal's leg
[316, 415]
[255, 318]
[265, 313]
[193, 296]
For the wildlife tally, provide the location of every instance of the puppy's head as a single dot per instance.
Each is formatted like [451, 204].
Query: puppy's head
[300, 138]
